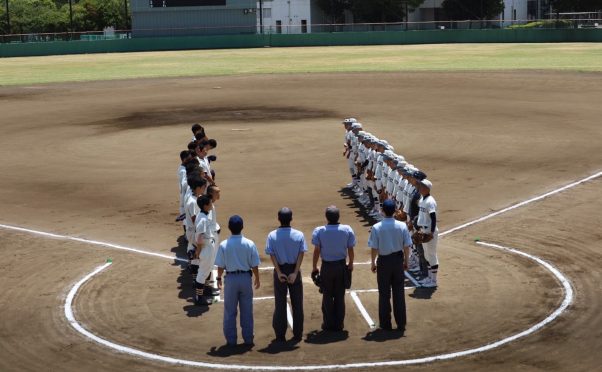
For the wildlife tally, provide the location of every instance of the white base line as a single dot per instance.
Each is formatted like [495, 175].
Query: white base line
[362, 310]
[518, 205]
[568, 298]
[412, 279]
[289, 315]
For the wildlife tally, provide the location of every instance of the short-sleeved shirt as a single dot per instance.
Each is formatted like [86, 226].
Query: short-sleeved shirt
[285, 243]
[389, 236]
[426, 206]
[334, 240]
[203, 226]
[237, 253]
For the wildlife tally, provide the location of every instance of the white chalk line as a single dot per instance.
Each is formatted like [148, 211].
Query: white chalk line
[362, 310]
[518, 205]
[566, 286]
[289, 315]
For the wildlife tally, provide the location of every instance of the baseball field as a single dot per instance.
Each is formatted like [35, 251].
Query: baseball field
[88, 157]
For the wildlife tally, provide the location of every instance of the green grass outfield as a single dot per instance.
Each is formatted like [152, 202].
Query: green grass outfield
[582, 57]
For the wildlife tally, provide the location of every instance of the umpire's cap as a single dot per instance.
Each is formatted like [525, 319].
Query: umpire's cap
[235, 223]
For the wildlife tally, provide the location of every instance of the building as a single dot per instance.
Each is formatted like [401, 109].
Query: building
[152, 18]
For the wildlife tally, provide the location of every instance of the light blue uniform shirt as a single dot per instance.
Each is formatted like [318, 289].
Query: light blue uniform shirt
[333, 241]
[389, 236]
[285, 243]
[237, 253]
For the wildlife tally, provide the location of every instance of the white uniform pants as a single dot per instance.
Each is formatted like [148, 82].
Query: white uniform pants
[430, 248]
[206, 260]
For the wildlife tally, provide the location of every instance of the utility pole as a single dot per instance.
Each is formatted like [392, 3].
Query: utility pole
[261, 17]
[7, 18]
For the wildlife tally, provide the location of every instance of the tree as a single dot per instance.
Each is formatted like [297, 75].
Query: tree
[371, 11]
[459, 10]
[576, 5]
[334, 9]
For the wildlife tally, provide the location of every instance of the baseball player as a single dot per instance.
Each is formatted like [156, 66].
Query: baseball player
[197, 186]
[348, 133]
[427, 226]
[197, 129]
[201, 152]
[184, 157]
[205, 251]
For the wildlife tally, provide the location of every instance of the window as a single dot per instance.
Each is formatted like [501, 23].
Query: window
[514, 14]
[304, 26]
[267, 13]
[278, 27]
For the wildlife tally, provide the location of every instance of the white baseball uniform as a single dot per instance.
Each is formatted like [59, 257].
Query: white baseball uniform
[203, 229]
[427, 206]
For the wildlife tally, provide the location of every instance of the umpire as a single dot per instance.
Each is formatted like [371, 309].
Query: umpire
[390, 241]
[286, 248]
[333, 243]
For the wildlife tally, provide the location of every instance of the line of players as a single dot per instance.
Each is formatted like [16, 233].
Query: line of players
[378, 173]
[198, 195]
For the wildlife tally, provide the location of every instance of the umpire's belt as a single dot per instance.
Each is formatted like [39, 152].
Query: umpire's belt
[239, 272]
[398, 253]
[338, 262]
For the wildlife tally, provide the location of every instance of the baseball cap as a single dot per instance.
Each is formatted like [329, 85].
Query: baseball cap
[419, 175]
[389, 206]
[235, 222]
[427, 184]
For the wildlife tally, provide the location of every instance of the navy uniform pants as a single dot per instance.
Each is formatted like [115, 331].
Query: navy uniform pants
[333, 294]
[390, 278]
[295, 292]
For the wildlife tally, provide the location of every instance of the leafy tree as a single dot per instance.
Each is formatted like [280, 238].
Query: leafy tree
[334, 9]
[458, 10]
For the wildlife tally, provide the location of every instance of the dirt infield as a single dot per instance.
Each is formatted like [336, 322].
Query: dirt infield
[98, 160]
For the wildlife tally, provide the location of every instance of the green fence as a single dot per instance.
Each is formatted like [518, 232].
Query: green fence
[315, 39]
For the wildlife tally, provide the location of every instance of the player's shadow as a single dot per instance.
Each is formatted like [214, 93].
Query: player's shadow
[361, 212]
[422, 293]
[225, 351]
[185, 280]
[276, 347]
[323, 337]
[381, 335]
[194, 311]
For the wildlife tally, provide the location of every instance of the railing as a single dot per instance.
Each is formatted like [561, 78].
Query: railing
[301, 29]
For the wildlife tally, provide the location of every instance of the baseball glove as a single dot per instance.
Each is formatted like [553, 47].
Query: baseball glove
[400, 215]
[427, 238]
[417, 238]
